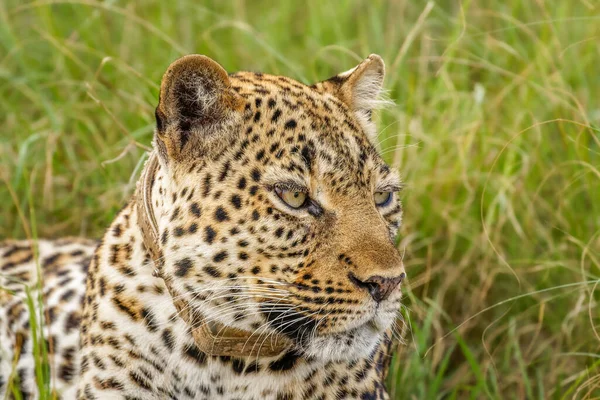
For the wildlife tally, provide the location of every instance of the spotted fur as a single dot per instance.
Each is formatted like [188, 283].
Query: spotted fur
[326, 276]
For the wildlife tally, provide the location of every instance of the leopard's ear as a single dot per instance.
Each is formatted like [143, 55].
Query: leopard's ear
[197, 108]
[360, 89]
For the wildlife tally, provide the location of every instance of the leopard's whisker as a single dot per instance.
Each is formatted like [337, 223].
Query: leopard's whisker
[198, 292]
[220, 311]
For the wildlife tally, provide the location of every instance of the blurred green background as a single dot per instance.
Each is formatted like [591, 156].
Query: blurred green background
[495, 130]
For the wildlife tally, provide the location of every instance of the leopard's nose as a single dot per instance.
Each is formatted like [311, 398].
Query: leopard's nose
[379, 287]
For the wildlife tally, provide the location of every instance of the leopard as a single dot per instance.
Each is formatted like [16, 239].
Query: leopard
[265, 207]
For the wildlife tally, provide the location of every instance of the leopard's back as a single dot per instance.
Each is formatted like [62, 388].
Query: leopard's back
[64, 265]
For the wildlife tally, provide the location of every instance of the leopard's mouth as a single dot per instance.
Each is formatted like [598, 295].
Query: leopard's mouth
[302, 327]
[292, 323]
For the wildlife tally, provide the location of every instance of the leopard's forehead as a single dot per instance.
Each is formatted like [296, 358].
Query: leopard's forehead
[306, 130]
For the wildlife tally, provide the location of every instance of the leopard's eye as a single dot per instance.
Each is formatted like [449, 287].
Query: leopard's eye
[294, 199]
[382, 198]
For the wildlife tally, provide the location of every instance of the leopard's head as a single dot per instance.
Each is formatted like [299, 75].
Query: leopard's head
[277, 215]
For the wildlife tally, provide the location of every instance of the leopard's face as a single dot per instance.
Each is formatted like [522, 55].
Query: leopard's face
[278, 214]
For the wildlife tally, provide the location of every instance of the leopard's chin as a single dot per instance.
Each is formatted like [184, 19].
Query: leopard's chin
[351, 345]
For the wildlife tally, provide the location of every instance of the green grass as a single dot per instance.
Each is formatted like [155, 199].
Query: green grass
[496, 132]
